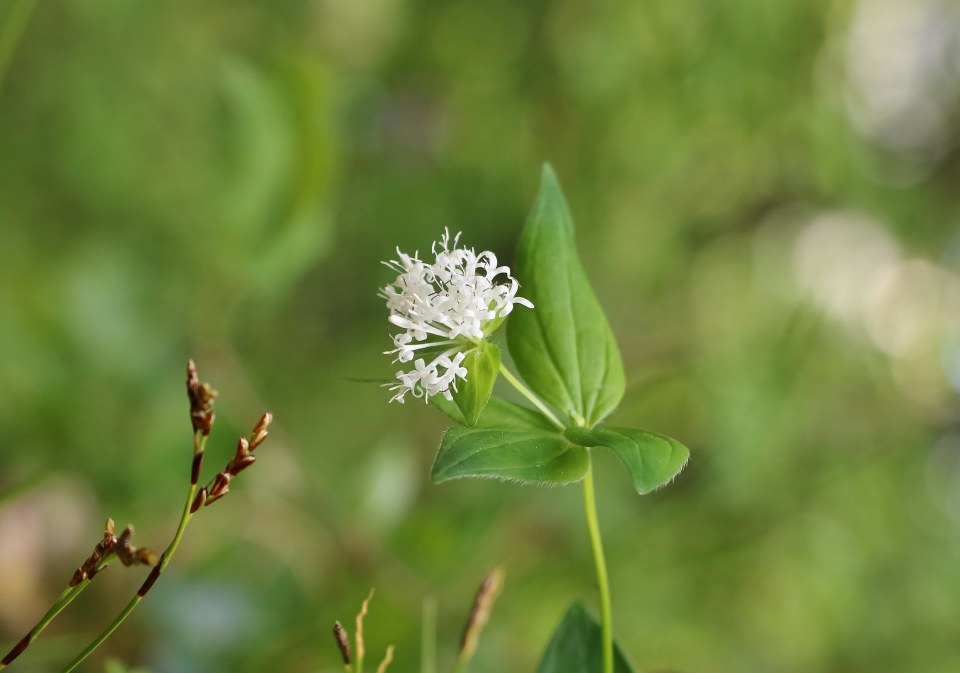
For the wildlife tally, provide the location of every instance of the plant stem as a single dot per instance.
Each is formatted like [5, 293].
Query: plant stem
[593, 526]
[62, 601]
[462, 662]
[603, 584]
[199, 442]
[523, 390]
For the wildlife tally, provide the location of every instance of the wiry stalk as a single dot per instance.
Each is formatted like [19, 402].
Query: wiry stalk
[199, 443]
[603, 584]
[593, 528]
[534, 400]
[113, 546]
[109, 548]
[62, 601]
[202, 416]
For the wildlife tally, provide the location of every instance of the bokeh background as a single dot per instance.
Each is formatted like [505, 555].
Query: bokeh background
[767, 203]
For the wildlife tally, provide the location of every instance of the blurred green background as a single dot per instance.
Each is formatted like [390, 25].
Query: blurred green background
[766, 199]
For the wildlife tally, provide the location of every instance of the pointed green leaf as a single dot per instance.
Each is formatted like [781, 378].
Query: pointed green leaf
[651, 459]
[448, 407]
[576, 646]
[482, 364]
[499, 413]
[563, 348]
[527, 456]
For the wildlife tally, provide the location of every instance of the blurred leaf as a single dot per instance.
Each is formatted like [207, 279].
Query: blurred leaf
[651, 459]
[576, 646]
[114, 666]
[527, 456]
[277, 177]
[471, 396]
[564, 347]
[298, 240]
[259, 147]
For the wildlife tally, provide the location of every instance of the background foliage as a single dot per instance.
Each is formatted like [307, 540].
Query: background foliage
[765, 198]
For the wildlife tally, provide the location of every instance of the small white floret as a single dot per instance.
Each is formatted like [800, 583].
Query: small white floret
[444, 307]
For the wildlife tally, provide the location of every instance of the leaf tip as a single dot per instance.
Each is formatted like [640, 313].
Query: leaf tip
[442, 473]
[549, 182]
[686, 461]
[547, 174]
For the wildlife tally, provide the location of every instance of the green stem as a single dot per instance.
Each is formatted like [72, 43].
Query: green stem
[523, 390]
[89, 649]
[461, 666]
[593, 526]
[198, 447]
[62, 602]
[603, 584]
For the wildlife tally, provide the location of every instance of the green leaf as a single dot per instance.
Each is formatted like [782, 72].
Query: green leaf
[563, 347]
[502, 414]
[482, 364]
[576, 646]
[527, 456]
[115, 666]
[448, 407]
[651, 459]
[499, 413]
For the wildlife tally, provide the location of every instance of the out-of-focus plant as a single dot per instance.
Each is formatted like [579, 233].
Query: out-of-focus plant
[569, 368]
[486, 596]
[202, 417]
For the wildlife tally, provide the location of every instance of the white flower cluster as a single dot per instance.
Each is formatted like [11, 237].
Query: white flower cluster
[443, 307]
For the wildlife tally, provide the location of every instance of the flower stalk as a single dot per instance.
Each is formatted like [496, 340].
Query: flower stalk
[202, 417]
[593, 529]
[600, 564]
[65, 598]
[201, 397]
[534, 400]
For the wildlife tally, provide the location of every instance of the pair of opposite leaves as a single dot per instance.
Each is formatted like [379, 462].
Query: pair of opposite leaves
[565, 351]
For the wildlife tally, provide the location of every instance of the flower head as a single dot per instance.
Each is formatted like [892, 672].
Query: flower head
[444, 309]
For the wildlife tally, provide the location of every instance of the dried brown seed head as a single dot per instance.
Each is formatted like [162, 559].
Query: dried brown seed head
[343, 642]
[482, 605]
[238, 465]
[200, 500]
[243, 447]
[201, 396]
[221, 484]
[260, 430]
